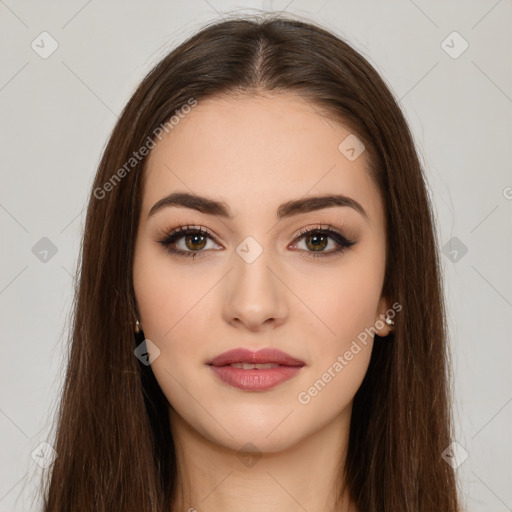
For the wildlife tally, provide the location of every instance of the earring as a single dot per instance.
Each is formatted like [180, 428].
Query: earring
[388, 320]
[139, 334]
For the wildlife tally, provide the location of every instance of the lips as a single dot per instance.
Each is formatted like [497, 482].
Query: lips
[265, 356]
[255, 371]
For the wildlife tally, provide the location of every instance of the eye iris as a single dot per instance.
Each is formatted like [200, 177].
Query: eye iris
[195, 237]
[319, 243]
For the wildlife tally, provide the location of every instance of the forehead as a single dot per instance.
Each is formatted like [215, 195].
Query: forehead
[255, 152]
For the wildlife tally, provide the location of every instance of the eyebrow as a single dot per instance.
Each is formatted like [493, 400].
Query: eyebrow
[288, 209]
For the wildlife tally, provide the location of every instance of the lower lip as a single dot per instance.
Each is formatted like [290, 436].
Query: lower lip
[255, 380]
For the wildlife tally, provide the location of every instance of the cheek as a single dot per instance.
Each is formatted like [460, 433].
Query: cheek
[345, 302]
[332, 388]
[175, 307]
[342, 302]
[166, 293]
[169, 311]
[175, 304]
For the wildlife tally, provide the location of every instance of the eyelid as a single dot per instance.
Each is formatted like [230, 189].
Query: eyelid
[185, 228]
[316, 227]
[182, 231]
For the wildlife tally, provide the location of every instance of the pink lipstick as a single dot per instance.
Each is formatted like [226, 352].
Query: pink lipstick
[255, 371]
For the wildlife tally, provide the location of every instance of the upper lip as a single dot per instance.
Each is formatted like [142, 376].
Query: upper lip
[265, 355]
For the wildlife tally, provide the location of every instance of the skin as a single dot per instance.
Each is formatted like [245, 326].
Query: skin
[255, 152]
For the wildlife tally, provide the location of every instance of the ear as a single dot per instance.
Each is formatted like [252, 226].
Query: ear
[384, 306]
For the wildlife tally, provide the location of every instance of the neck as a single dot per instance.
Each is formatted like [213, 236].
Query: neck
[306, 476]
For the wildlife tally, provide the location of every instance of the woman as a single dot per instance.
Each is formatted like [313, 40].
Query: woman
[259, 322]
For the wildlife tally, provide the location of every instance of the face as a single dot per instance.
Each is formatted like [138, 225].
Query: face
[250, 273]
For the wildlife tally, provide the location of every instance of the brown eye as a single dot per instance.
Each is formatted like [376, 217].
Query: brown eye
[194, 243]
[317, 242]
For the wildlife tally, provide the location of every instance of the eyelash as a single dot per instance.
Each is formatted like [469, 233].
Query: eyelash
[343, 242]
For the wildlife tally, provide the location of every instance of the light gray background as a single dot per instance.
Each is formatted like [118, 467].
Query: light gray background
[57, 114]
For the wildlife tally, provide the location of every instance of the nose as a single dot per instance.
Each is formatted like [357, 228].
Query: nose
[255, 296]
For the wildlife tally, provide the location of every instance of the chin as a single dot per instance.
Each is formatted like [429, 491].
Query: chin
[260, 429]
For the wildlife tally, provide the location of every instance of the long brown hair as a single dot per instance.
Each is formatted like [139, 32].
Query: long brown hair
[115, 450]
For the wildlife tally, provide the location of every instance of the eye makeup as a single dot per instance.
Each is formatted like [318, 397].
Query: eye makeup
[316, 237]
